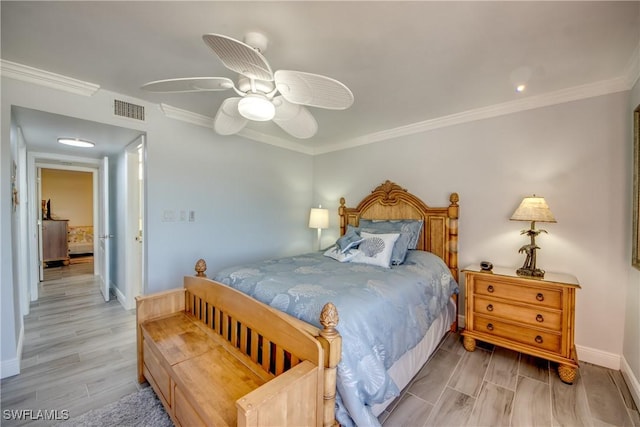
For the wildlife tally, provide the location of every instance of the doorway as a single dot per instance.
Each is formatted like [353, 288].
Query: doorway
[37, 133]
[67, 232]
[60, 208]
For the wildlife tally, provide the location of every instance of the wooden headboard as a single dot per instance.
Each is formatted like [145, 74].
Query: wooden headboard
[439, 234]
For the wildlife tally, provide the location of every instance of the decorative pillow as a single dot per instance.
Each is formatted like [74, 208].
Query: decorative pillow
[339, 255]
[411, 226]
[376, 249]
[350, 239]
[400, 248]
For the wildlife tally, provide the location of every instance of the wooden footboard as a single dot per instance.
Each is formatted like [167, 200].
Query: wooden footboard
[296, 361]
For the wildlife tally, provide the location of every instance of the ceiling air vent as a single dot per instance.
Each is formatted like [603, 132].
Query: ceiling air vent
[127, 109]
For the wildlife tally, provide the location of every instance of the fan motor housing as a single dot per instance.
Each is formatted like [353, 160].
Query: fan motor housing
[264, 86]
[256, 40]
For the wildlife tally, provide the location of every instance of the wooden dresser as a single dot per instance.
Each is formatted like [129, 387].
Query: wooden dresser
[531, 315]
[55, 243]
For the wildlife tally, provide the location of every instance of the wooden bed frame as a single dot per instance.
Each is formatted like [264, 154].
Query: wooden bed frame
[294, 363]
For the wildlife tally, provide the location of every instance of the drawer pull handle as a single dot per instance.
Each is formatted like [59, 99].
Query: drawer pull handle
[490, 326]
[539, 339]
[540, 297]
[490, 288]
[490, 307]
[539, 318]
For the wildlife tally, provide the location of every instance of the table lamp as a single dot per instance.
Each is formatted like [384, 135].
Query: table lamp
[319, 218]
[533, 209]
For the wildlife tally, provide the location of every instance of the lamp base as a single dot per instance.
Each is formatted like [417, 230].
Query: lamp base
[530, 272]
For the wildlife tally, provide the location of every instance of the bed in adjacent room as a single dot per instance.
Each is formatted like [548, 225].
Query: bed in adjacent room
[393, 278]
[80, 240]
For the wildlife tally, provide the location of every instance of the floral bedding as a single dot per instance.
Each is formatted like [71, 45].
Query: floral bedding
[384, 312]
[80, 239]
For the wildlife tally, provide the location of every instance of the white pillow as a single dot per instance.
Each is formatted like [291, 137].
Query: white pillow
[376, 249]
[343, 256]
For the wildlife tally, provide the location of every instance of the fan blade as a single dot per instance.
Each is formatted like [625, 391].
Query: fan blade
[189, 84]
[313, 90]
[239, 57]
[294, 119]
[228, 120]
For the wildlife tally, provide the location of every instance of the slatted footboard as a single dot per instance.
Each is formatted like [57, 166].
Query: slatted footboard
[289, 366]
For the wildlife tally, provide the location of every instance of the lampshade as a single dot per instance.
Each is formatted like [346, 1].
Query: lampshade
[533, 209]
[255, 106]
[319, 218]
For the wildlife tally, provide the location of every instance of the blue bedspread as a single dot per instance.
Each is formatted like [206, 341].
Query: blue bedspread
[383, 313]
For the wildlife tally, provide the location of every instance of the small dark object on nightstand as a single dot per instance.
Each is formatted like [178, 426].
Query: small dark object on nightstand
[486, 266]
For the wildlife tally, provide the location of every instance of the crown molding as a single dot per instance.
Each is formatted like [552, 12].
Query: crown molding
[45, 78]
[186, 116]
[206, 121]
[275, 141]
[575, 93]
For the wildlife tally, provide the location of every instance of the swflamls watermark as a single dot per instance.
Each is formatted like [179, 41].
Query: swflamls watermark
[35, 414]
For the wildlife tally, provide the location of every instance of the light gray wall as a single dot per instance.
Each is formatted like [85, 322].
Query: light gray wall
[251, 200]
[631, 348]
[573, 154]
[10, 316]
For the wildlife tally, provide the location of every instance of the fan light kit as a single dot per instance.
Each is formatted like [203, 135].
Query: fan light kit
[256, 106]
[76, 142]
[263, 95]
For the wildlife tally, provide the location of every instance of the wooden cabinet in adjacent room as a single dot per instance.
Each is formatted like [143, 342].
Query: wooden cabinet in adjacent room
[55, 244]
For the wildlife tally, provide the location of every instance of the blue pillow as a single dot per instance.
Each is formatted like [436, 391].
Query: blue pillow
[350, 239]
[410, 226]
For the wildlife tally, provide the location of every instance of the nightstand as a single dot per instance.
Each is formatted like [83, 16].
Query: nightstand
[534, 316]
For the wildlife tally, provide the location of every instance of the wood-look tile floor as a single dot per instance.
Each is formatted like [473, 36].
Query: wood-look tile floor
[493, 386]
[79, 354]
[79, 351]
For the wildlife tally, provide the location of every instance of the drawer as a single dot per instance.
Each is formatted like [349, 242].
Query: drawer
[535, 316]
[184, 412]
[538, 296]
[157, 372]
[548, 341]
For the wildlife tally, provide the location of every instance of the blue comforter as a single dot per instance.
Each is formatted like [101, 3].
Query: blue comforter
[383, 313]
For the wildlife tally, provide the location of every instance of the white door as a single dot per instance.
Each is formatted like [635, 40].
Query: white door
[104, 235]
[39, 219]
[134, 220]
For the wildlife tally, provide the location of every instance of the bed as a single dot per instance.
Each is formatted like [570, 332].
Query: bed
[80, 239]
[417, 297]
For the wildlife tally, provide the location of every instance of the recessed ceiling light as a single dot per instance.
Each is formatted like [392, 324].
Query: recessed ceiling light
[520, 88]
[76, 142]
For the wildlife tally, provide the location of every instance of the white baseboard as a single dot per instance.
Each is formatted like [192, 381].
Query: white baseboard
[631, 380]
[461, 321]
[598, 357]
[122, 299]
[587, 354]
[11, 367]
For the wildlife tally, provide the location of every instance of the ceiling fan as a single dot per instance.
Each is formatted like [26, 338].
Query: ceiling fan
[263, 95]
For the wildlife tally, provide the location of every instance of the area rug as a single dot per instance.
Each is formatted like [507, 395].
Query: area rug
[139, 409]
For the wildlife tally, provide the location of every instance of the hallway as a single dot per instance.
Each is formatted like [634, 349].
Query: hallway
[79, 352]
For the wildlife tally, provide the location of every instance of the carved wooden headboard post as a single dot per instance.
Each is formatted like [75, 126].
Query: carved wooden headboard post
[453, 211]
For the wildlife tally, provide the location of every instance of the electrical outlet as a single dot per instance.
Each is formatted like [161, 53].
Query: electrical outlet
[183, 216]
[192, 216]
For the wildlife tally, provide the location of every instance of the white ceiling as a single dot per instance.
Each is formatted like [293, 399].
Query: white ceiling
[406, 62]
